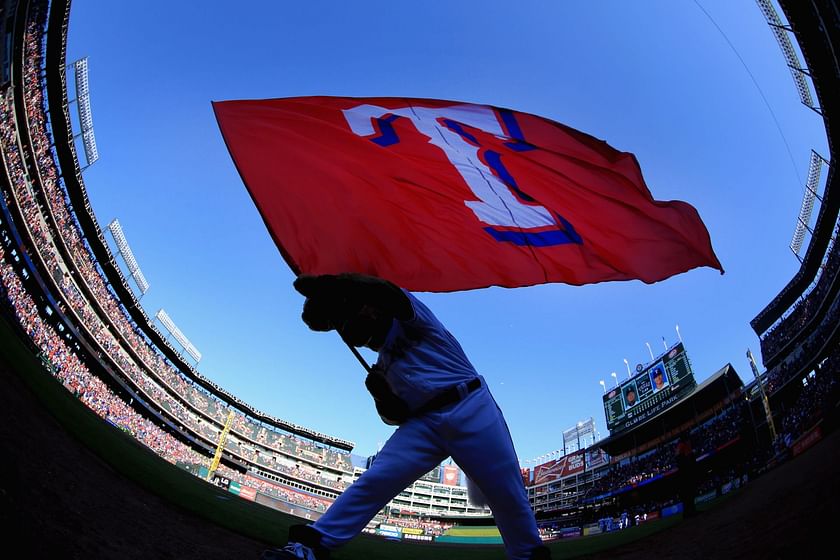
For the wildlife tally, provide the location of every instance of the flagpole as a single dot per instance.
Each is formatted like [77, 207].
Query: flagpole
[359, 357]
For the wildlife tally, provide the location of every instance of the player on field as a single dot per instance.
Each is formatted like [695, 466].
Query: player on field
[423, 382]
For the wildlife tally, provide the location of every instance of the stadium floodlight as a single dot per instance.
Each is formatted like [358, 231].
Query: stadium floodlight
[765, 402]
[627, 364]
[615, 378]
[781, 33]
[80, 68]
[579, 436]
[678, 333]
[141, 281]
[807, 208]
[128, 255]
[649, 350]
[603, 386]
[164, 319]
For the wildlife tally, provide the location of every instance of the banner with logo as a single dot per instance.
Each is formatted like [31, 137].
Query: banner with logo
[439, 196]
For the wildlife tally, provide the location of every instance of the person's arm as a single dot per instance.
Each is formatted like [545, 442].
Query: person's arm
[362, 310]
[343, 294]
[391, 409]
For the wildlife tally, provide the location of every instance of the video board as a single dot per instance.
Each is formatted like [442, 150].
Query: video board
[654, 387]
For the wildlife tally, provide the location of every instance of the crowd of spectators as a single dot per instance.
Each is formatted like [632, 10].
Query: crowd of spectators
[128, 348]
[635, 471]
[298, 470]
[75, 376]
[139, 357]
[792, 366]
[433, 527]
[96, 395]
[88, 388]
[719, 430]
[820, 393]
[716, 480]
[806, 309]
[716, 432]
[287, 494]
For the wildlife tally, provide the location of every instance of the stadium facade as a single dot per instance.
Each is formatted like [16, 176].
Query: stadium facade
[56, 254]
[738, 431]
[64, 291]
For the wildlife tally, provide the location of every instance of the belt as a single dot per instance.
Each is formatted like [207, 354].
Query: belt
[448, 396]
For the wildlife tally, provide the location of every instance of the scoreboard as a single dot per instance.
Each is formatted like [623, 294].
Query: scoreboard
[654, 387]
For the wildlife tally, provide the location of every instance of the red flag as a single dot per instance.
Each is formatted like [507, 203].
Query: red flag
[441, 196]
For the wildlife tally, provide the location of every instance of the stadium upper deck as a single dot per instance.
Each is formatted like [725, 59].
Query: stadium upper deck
[816, 24]
[105, 324]
[67, 159]
[634, 468]
[70, 286]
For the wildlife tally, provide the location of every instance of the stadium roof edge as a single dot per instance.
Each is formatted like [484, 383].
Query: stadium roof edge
[56, 85]
[817, 29]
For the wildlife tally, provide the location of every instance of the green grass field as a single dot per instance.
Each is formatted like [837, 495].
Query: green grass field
[222, 508]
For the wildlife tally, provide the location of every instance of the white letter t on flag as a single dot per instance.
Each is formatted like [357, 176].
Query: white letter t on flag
[496, 205]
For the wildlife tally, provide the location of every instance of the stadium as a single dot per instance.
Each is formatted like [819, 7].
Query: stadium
[115, 444]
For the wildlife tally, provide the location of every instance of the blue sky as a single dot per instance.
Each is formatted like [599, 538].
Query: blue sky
[655, 78]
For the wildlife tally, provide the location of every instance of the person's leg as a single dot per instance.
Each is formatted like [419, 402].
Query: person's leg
[482, 446]
[412, 451]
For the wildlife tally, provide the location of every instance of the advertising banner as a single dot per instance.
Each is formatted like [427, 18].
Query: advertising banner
[412, 537]
[591, 529]
[569, 532]
[248, 493]
[451, 476]
[672, 510]
[596, 458]
[807, 440]
[526, 476]
[574, 464]
[389, 531]
[221, 481]
[552, 470]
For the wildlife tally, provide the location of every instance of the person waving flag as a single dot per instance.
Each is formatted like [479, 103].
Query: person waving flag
[368, 199]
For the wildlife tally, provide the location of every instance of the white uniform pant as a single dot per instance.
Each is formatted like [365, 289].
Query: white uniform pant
[474, 433]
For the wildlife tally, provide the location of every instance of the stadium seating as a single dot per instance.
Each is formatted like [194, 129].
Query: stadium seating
[134, 353]
[57, 245]
[37, 206]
